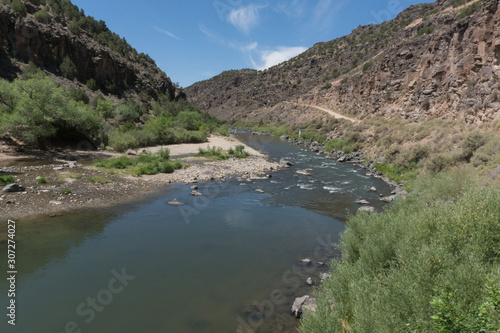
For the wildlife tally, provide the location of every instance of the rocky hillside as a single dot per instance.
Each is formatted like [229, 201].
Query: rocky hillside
[46, 32]
[433, 60]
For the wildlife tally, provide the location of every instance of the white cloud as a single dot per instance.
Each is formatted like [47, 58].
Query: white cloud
[269, 58]
[168, 33]
[245, 18]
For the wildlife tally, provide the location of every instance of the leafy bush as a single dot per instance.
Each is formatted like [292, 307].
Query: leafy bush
[469, 10]
[129, 112]
[238, 152]
[46, 110]
[42, 180]
[105, 107]
[428, 264]
[43, 17]
[145, 164]
[91, 84]
[68, 69]
[19, 7]
[189, 120]
[471, 143]
[214, 152]
[79, 95]
[346, 145]
[425, 30]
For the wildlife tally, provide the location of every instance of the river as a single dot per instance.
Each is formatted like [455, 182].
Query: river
[229, 258]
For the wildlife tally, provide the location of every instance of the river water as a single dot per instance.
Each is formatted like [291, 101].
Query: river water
[229, 258]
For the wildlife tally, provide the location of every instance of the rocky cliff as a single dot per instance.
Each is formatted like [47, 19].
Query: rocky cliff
[433, 60]
[25, 39]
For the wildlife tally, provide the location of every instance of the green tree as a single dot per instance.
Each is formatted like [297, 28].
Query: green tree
[189, 120]
[18, 7]
[91, 84]
[68, 69]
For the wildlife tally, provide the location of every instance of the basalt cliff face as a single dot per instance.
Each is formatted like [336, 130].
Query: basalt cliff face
[433, 60]
[24, 39]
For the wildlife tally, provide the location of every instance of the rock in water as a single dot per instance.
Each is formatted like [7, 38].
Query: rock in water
[373, 189]
[309, 281]
[362, 202]
[303, 172]
[284, 137]
[175, 203]
[286, 162]
[306, 261]
[259, 190]
[368, 209]
[195, 193]
[388, 199]
[13, 188]
[303, 303]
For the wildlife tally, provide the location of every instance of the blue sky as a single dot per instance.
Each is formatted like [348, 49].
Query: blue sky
[194, 40]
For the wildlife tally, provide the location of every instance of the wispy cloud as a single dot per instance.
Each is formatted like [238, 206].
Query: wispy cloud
[210, 34]
[245, 48]
[245, 18]
[293, 9]
[168, 33]
[269, 58]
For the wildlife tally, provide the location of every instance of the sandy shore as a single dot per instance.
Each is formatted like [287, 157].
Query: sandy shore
[52, 198]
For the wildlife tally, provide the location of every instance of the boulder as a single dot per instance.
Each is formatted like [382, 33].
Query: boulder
[306, 261]
[131, 152]
[342, 159]
[373, 189]
[362, 202]
[286, 162]
[175, 203]
[309, 281]
[368, 209]
[388, 199]
[324, 276]
[259, 190]
[303, 172]
[303, 303]
[284, 137]
[13, 188]
[195, 193]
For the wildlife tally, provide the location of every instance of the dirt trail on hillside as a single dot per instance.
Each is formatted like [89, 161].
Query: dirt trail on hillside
[333, 113]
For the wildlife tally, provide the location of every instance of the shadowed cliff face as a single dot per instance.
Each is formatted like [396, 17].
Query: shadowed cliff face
[25, 39]
[433, 60]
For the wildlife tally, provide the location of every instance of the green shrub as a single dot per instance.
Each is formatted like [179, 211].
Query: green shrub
[5, 180]
[472, 142]
[238, 152]
[425, 30]
[68, 69]
[66, 192]
[367, 66]
[189, 120]
[428, 264]
[42, 180]
[91, 84]
[469, 10]
[129, 112]
[43, 17]
[145, 164]
[19, 7]
[79, 95]
[214, 152]
[74, 27]
[105, 107]
[345, 145]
